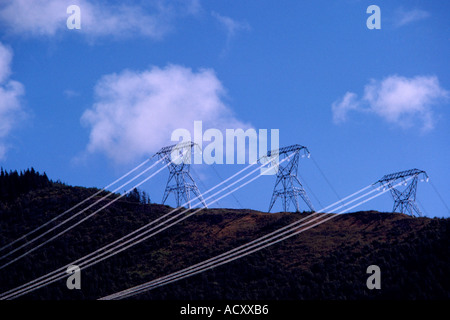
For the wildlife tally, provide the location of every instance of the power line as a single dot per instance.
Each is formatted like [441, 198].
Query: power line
[28, 289]
[233, 195]
[72, 208]
[309, 189]
[274, 232]
[439, 195]
[80, 221]
[226, 257]
[197, 176]
[42, 281]
[326, 179]
[422, 207]
[142, 288]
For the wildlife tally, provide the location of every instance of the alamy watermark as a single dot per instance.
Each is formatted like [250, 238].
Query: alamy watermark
[74, 280]
[249, 146]
[74, 20]
[374, 21]
[374, 281]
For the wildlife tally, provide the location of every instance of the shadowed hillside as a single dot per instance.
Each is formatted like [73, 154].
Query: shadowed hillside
[326, 262]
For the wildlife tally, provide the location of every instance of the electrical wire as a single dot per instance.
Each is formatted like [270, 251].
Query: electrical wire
[309, 189]
[325, 177]
[77, 214]
[220, 177]
[25, 288]
[74, 207]
[37, 283]
[439, 195]
[226, 257]
[197, 176]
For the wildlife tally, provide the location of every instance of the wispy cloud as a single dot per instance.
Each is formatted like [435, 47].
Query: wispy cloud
[405, 17]
[11, 91]
[342, 107]
[398, 100]
[136, 112]
[231, 27]
[98, 19]
[68, 93]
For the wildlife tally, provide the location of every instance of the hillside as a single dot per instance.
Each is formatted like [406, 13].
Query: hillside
[326, 262]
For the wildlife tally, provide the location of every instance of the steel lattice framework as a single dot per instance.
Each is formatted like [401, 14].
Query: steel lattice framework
[404, 201]
[287, 186]
[180, 182]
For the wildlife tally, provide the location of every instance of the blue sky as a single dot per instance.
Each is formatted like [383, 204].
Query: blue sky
[87, 105]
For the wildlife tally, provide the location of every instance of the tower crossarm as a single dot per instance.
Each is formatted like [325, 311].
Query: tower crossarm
[287, 150]
[179, 146]
[388, 178]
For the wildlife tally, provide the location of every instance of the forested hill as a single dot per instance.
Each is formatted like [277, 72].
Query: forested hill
[325, 262]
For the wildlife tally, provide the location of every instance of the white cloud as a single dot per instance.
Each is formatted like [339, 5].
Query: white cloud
[136, 112]
[5, 62]
[410, 16]
[48, 17]
[398, 100]
[36, 17]
[10, 93]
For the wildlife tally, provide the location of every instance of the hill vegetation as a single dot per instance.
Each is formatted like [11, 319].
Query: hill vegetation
[326, 262]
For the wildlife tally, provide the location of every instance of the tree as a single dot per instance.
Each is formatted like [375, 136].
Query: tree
[134, 196]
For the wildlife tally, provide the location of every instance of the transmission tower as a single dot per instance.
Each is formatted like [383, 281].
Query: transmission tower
[180, 182]
[404, 201]
[287, 185]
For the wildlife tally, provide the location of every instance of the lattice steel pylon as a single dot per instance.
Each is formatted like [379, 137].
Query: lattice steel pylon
[180, 182]
[404, 201]
[287, 186]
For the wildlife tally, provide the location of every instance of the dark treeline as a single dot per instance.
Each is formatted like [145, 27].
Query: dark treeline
[14, 184]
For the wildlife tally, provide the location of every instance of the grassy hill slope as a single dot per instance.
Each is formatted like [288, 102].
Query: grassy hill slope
[326, 262]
